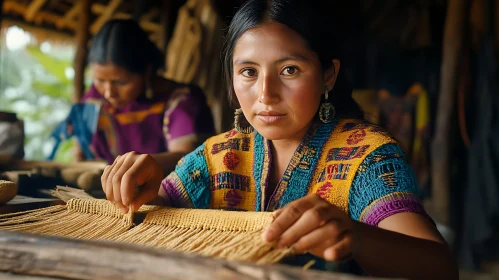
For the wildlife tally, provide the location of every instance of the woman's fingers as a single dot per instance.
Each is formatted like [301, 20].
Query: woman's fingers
[106, 177]
[287, 217]
[121, 167]
[321, 238]
[310, 220]
[143, 173]
[132, 179]
[340, 251]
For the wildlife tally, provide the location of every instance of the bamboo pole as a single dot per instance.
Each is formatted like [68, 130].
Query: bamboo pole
[455, 23]
[82, 37]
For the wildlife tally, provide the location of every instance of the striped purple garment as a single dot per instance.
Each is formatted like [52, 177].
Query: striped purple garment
[148, 125]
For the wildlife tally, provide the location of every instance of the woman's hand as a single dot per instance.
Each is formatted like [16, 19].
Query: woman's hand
[311, 224]
[133, 178]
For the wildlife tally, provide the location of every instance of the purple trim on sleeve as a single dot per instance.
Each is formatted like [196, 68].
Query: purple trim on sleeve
[175, 191]
[390, 205]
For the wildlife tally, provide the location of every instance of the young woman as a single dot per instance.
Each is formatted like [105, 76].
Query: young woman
[340, 186]
[140, 110]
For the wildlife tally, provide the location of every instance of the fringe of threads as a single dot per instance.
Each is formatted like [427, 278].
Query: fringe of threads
[213, 233]
[79, 218]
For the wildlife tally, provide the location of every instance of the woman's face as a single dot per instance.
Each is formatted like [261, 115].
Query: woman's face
[118, 86]
[278, 81]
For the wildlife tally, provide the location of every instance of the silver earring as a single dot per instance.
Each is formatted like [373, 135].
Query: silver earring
[326, 110]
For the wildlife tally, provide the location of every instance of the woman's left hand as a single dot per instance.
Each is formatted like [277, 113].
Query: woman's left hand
[311, 224]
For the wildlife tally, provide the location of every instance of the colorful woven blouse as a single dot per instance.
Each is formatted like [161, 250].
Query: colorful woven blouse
[350, 163]
[147, 125]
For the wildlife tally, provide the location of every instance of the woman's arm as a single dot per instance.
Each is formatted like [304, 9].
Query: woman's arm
[311, 224]
[176, 150]
[404, 245]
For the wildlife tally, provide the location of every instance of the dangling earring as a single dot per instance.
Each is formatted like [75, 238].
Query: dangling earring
[326, 110]
[240, 123]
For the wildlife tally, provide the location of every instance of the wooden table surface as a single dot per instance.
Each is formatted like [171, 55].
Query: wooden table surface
[38, 255]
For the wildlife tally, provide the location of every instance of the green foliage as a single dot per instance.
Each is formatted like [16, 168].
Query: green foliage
[55, 90]
[42, 97]
[54, 66]
[65, 151]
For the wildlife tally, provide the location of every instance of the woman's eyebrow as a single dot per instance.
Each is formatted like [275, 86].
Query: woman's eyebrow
[244, 61]
[293, 57]
[281, 60]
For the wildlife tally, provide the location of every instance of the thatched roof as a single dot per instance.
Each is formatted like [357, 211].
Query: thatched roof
[61, 16]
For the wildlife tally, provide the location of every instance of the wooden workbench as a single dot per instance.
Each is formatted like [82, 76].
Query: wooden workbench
[39, 255]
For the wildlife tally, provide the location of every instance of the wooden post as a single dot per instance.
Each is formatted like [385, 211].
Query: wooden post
[82, 37]
[1, 12]
[455, 24]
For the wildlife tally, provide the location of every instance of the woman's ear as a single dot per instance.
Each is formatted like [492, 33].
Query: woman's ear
[331, 74]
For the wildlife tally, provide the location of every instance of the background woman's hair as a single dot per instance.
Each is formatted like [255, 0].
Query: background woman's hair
[125, 44]
[311, 21]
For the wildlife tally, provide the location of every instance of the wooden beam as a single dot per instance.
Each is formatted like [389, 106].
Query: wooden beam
[38, 255]
[150, 26]
[33, 8]
[108, 13]
[39, 18]
[68, 19]
[82, 38]
[100, 9]
[145, 23]
[455, 23]
[150, 15]
[13, 7]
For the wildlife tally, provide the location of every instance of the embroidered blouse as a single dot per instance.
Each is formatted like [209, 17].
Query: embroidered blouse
[352, 164]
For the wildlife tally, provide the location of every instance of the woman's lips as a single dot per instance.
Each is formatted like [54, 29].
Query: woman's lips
[270, 117]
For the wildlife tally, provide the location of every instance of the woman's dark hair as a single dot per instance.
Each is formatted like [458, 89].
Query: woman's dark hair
[307, 18]
[125, 44]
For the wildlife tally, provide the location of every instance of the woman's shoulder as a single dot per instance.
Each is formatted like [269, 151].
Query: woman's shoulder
[353, 132]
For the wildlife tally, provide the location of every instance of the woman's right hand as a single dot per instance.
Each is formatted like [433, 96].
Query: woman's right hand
[133, 178]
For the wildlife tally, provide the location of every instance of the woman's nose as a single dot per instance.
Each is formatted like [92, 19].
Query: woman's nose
[268, 91]
[108, 91]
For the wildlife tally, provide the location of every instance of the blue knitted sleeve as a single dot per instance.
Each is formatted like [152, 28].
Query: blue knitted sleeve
[384, 185]
[188, 185]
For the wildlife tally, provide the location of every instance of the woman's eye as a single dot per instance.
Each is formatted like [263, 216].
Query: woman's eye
[248, 72]
[288, 71]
